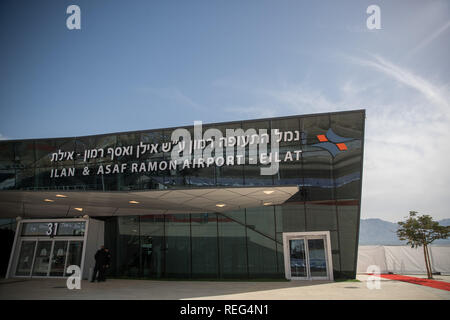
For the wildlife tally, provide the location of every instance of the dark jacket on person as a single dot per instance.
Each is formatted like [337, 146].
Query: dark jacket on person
[102, 257]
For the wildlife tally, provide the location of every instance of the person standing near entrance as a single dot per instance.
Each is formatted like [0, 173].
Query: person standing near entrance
[102, 260]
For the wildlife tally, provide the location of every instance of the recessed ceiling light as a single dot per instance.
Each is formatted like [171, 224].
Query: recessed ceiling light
[61, 196]
[268, 203]
[49, 200]
[220, 205]
[268, 191]
[132, 201]
[79, 209]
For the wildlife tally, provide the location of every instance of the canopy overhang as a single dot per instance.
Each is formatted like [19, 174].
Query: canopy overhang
[34, 204]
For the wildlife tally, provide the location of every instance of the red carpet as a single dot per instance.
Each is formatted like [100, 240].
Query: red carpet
[423, 282]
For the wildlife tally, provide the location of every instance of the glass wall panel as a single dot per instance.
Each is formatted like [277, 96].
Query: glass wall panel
[105, 181]
[75, 254]
[336, 265]
[335, 253]
[237, 215]
[252, 172]
[127, 246]
[262, 255]
[6, 151]
[24, 154]
[318, 175]
[197, 177]
[178, 245]
[232, 248]
[279, 224]
[289, 173]
[45, 148]
[347, 173]
[294, 219]
[348, 226]
[204, 245]
[347, 165]
[280, 259]
[152, 245]
[253, 177]
[7, 179]
[111, 241]
[230, 175]
[25, 178]
[154, 153]
[25, 258]
[313, 126]
[321, 217]
[348, 124]
[155, 138]
[97, 143]
[125, 141]
[262, 219]
[131, 180]
[43, 179]
[290, 140]
[7, 232]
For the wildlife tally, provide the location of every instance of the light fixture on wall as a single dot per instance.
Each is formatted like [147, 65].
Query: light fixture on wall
[61, 196]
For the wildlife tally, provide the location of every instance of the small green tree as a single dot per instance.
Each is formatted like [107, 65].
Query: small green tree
[422, 231]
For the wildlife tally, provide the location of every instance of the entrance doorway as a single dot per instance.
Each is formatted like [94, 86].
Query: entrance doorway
[48, 258]
[307, 255]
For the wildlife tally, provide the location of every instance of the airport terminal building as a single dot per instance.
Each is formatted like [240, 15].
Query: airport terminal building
[254, 199]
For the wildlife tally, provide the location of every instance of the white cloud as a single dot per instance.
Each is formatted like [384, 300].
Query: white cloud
[430, 38]
[430, 91]
[2, 137]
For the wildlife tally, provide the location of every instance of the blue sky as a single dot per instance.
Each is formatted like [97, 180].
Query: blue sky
[152, 64]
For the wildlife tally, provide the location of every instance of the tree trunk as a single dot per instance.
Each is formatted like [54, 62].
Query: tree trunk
[429, 262]
[425, 254]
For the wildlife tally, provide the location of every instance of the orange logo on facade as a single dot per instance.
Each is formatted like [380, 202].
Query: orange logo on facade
[332, 142]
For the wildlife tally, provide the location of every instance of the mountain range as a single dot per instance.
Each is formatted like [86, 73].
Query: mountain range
[381, 232]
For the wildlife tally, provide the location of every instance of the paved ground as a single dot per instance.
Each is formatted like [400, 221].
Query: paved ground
[149, 289]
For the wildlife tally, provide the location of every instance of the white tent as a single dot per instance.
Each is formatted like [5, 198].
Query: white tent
[403, 259]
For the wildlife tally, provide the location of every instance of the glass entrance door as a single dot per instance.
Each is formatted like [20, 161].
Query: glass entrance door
[317, 258]
[307, 257]
[44, 258]
[59, 258]
[25, 258]
[298, 258]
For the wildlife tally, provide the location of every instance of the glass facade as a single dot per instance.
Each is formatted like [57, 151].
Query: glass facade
[240, 244]
[209, 245]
